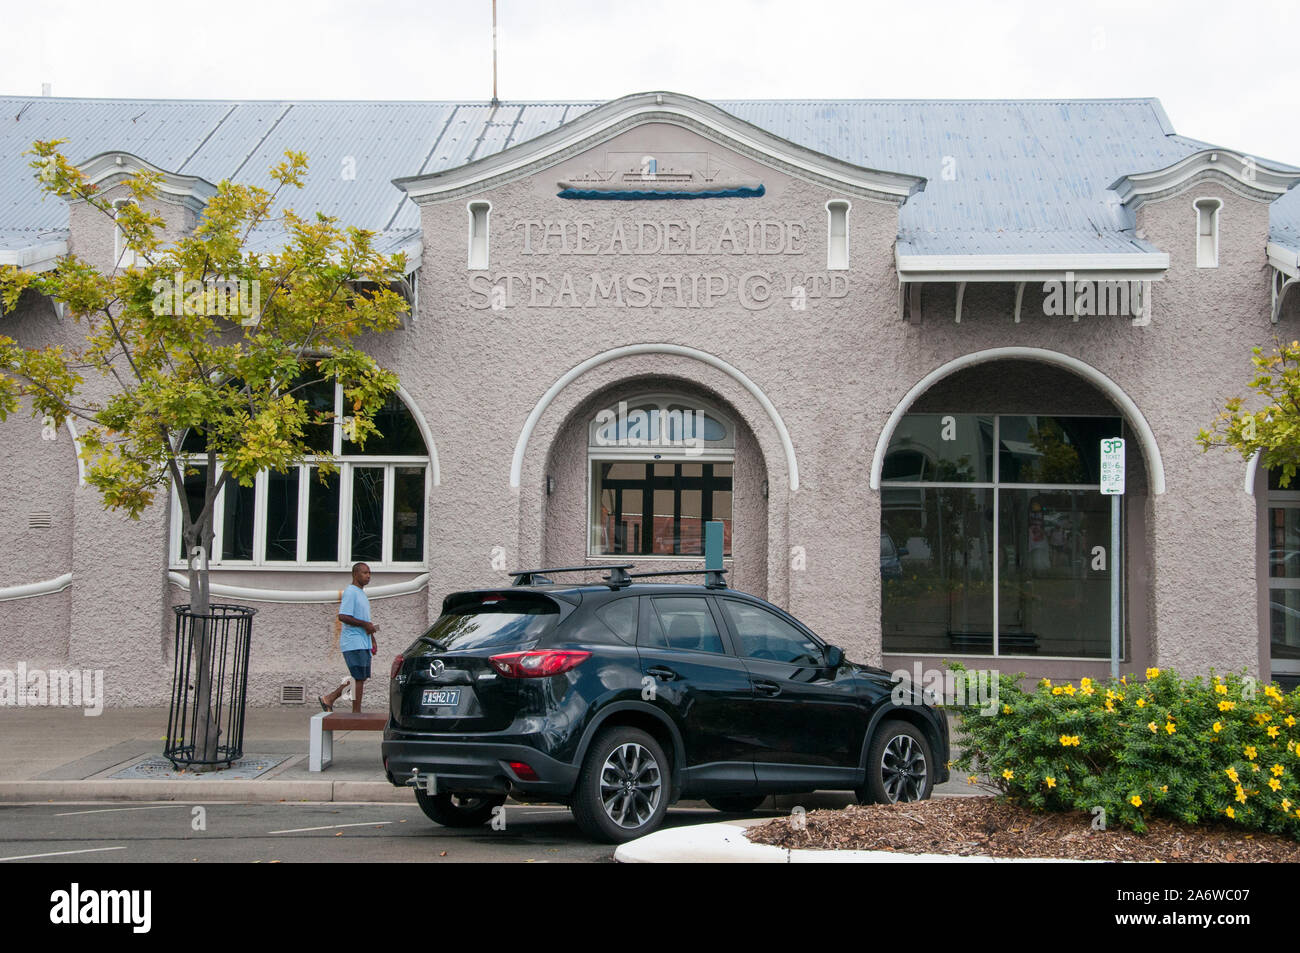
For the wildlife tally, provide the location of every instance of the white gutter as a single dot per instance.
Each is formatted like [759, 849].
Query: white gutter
[302, 595]
[40, 257]
[31, 589]
[1138, 266]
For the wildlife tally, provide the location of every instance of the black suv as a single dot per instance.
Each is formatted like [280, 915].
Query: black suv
[619, 698]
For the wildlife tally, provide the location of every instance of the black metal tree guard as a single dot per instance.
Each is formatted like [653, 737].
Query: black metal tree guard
[229, 631]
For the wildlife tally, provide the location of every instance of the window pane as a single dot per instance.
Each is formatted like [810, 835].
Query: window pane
[766, 636]
[237, 529]
[282, 516]
[938, 597]
[620, 616]
[1055, 591]
[408, 514]
[1284, 624]
[1053, 449]
[368, 514]
[322, 517]
[194, 491]
[688, 624]
[685, 496]
[319, 396]
[941, 448]
[1283, 542]
[398, 434]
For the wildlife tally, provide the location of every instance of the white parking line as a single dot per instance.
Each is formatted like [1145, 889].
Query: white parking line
[110, 810]
[330, 827]
[59, 853]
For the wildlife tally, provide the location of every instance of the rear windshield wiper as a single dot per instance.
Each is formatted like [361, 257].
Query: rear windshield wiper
[432, 641]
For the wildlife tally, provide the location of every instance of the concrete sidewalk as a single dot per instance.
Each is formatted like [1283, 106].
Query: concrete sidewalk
[55, 754]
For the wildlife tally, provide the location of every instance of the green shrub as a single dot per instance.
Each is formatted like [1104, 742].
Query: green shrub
[1226, 749]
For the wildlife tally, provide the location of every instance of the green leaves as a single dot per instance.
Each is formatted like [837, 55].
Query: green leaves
[1273, 429]
[204, 334]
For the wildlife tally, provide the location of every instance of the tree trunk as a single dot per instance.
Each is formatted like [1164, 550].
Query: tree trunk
[205, 729]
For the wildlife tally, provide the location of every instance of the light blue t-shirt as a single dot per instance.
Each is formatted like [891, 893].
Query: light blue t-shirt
[356, 605]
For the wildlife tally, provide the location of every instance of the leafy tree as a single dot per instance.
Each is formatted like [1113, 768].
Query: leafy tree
[203, 336]
[1273, 429]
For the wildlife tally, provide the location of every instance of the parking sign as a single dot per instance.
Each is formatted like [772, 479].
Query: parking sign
[1112, 466]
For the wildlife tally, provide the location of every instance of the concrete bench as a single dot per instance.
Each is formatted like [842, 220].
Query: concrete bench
[326, 723]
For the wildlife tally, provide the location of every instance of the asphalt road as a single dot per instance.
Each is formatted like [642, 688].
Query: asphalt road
[175, 832]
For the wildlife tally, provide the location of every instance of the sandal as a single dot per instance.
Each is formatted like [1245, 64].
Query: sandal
[324, 707]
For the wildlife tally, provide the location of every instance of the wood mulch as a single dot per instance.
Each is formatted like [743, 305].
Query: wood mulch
[994, 827]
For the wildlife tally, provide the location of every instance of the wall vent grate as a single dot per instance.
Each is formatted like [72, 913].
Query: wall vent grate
[293, 694]
[41, 520]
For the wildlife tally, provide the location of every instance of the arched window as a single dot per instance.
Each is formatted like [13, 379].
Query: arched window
[370, 509]
[1207, 232]
[661, 467]
[123, 257]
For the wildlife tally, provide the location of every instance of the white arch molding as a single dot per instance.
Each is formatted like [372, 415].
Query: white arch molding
[521, 445]
[1142, 430]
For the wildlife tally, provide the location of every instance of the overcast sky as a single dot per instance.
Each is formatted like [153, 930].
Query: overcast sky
[1226, 73]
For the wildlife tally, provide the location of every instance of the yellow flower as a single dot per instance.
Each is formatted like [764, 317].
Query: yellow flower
[1123, 679]
[1273, 731]
[1110, 705]
[1221, 688]
[971, 779]
[1262, 716]
[1164, 788]
[1050, 782]
[1290, 721]
[1068, 689]
[1278, 770]
[1135, 801]
[1057, 690]
[1251, 752]
[1152, 726]
[1274, 783]
[1153, 673]
[1169, 727]
[1231, 773]
[1008, 774]
[1044, 683]
[1254, 767]
[1110, 695]
[1142, 703]
[1286, 804]
[1227, 706]
[1006, 709]
[1273, 693]
[1230, 812]
[1241, 795]
[1218, 726]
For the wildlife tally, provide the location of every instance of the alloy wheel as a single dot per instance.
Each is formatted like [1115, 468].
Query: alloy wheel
[903, 768]
[630, 785]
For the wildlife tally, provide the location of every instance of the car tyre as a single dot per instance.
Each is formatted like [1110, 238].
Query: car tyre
[458, 810]
[900, 766]
[736, 804]
[623, 787]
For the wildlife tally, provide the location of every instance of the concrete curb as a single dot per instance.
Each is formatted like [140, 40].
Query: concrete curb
[200, 789]
[725, 843]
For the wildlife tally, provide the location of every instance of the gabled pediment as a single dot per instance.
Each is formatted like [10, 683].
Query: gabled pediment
[599, 125]
[1244, 174]
[112, 168]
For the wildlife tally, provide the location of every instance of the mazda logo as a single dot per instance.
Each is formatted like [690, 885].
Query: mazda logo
[436, 667]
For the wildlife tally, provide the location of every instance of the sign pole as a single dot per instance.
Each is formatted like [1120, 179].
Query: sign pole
[1112, 485]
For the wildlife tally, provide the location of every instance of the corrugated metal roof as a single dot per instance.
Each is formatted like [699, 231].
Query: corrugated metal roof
[1002, 176]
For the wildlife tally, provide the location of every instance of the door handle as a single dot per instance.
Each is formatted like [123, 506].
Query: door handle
[662, 672]
[764, 687]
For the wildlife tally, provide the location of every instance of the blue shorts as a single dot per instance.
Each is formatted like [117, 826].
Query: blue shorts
[358, 662]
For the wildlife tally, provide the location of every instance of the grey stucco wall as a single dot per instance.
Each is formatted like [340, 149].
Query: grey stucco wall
[833, 372]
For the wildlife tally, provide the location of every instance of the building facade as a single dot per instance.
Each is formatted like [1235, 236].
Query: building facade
[881, 342]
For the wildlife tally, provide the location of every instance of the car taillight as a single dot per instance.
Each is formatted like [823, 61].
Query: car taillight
[537, 664]
[397, 667]
[524, 771]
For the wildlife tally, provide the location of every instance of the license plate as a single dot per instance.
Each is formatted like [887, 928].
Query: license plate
[440, 697]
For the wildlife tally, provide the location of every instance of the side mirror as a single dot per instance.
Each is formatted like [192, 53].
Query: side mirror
[834, 656]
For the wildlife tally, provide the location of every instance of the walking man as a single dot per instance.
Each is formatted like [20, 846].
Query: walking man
[356, 639]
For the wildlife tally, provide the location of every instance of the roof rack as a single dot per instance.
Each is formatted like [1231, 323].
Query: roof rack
[618, 576]
[712, 577]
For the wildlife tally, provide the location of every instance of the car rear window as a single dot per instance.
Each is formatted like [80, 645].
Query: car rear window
[494, 619]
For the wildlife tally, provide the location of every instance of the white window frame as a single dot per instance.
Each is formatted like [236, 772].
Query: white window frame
[833, 253]
[123, 257]
[345, 465]
[473, 262]
[1207, 204]
[662, 402]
